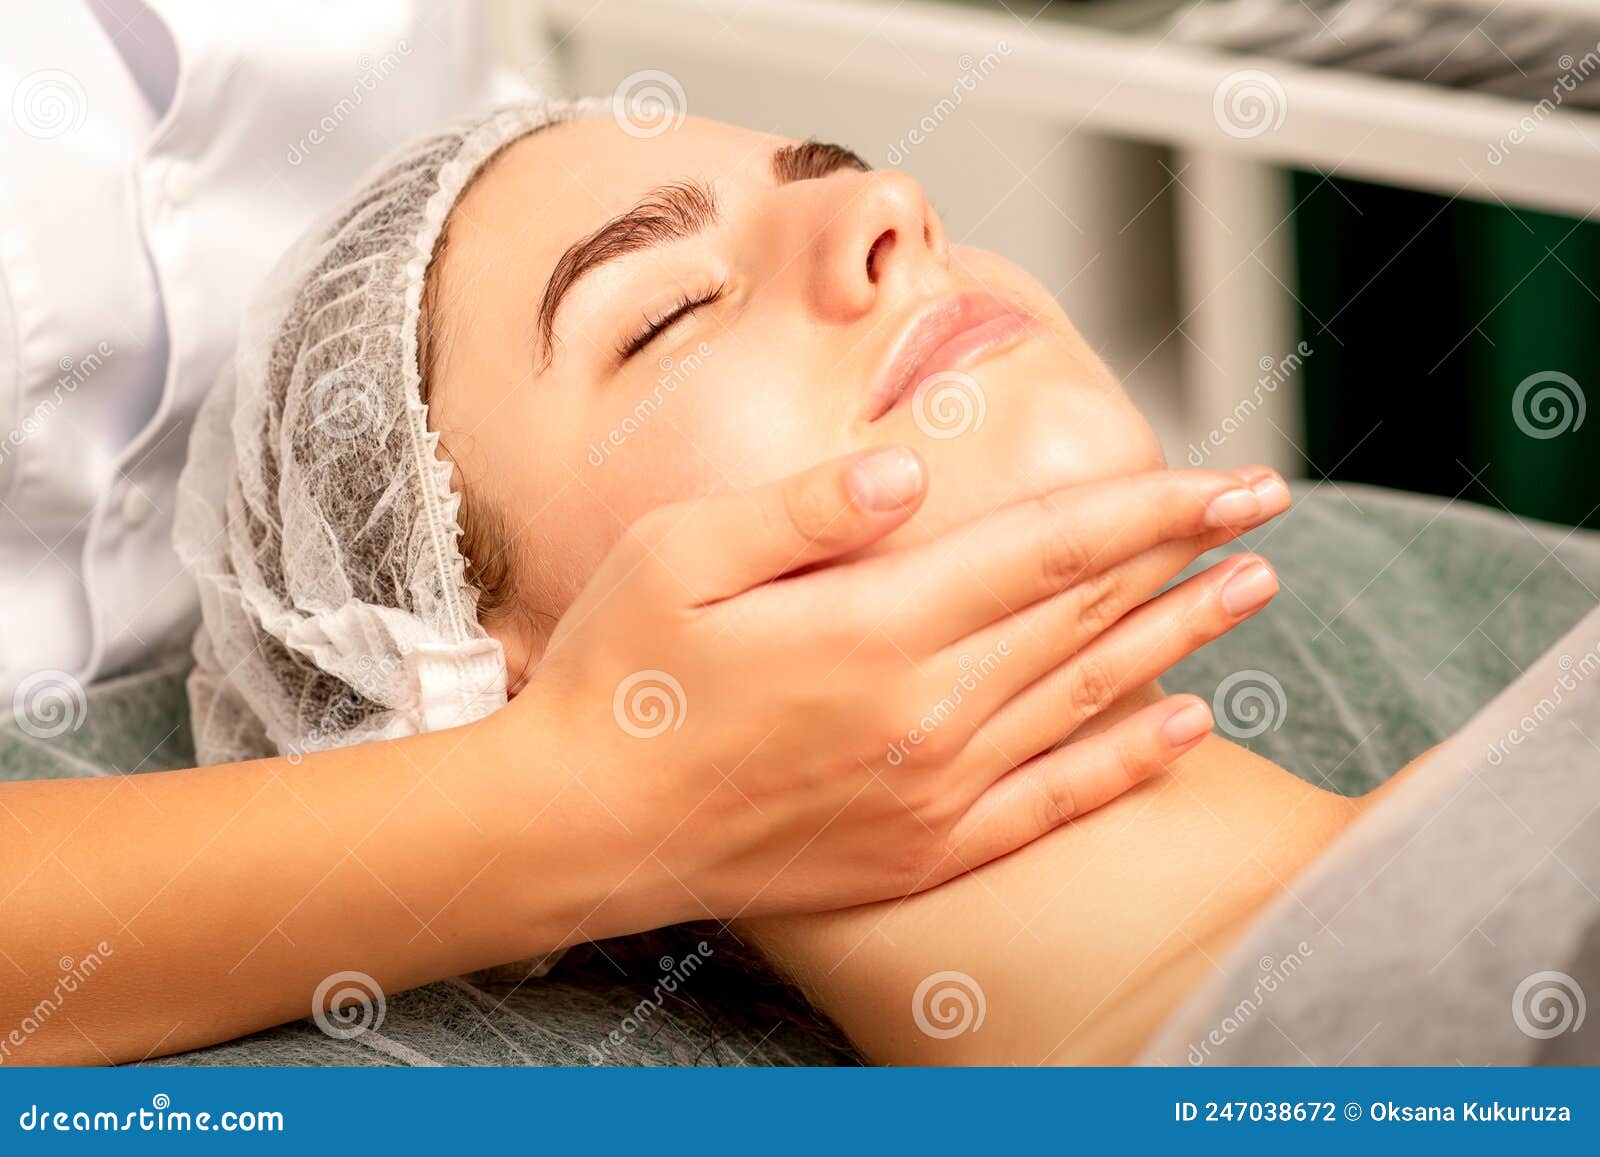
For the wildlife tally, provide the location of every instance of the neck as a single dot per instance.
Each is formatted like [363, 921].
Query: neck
[1210, 845]
[1163, 881]
[1085, 940]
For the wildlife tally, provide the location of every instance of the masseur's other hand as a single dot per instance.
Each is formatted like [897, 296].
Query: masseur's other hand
[762, 733]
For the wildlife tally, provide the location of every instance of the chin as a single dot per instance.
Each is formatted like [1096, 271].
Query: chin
[974, 475]
[1051, 421]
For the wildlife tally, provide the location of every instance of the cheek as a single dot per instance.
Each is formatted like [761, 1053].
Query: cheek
[723, 419]
[703, 426]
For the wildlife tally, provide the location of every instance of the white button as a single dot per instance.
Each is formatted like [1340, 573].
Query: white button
[180, 182]
[136, 506]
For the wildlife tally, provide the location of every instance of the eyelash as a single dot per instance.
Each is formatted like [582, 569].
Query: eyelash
[654, 328]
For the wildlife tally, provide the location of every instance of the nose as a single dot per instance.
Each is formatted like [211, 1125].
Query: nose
[877, 239]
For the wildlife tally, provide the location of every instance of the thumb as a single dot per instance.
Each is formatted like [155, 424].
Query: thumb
[727, 543]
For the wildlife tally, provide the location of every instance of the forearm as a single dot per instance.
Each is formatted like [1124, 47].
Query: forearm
[212, 902]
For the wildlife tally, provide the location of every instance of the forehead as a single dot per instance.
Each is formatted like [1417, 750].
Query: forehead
[549, 189]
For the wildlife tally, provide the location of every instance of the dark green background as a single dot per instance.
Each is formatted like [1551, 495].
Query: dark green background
[1425, 315]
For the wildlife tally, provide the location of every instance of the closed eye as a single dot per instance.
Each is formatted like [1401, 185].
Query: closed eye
[654, 327]
[670, 213]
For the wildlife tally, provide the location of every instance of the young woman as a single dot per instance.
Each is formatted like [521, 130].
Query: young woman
[591, 326]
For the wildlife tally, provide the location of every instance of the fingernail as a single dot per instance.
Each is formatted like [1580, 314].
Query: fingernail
[1273, 492]
[1186, 725]
[1235, 508]
[886, 480]
[1249, 589]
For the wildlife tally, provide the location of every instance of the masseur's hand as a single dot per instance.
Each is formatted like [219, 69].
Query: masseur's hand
[756, 732]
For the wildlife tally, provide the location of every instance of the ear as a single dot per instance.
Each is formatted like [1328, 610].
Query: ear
[523, 646]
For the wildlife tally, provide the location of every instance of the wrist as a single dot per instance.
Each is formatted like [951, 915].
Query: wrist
[573, 857]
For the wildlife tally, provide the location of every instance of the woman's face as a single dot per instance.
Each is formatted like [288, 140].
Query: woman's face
[827, 291]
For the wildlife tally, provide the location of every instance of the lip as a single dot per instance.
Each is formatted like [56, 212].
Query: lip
[953, 333]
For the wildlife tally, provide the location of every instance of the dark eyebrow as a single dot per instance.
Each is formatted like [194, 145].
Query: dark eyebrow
[813, 160]
[669, 213]
[672, 213]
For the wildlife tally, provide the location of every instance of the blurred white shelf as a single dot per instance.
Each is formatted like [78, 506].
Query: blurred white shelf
[1137, 86]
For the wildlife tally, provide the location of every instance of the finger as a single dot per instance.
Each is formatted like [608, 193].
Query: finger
[1142, 647]
[1037, 548]
[1269, 487]
[1262, 479]
[1042, 637]
[727, 543]
[1075, 778]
